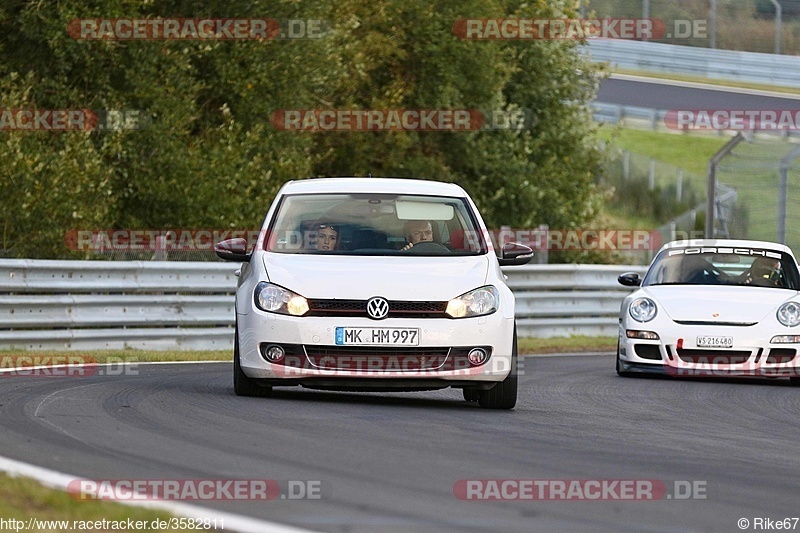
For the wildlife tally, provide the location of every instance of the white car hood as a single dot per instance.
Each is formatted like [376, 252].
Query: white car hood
[731, 304]
[360, 277]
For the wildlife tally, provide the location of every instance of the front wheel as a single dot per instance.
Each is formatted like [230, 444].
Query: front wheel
[243, 385]
[504, 394]
[472, 395]
[794, 382]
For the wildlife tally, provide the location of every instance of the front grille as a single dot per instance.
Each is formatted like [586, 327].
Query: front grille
[779, 356]
[714, 357]
[377, 359]
[358, 308]
[714, 323]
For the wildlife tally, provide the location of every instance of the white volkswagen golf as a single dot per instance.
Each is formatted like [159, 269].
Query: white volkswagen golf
[375, 284]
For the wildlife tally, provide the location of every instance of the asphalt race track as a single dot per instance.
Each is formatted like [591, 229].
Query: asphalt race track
[389, 462]
[666, 95]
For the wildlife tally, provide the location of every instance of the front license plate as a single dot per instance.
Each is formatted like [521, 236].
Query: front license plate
[705, 341]
[377, 336]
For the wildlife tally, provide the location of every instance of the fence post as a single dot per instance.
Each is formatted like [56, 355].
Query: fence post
[652, 174]
[711, 185]
[778, 24]
[783, 192]
[626, 165]
[679, 186]
[713, 24]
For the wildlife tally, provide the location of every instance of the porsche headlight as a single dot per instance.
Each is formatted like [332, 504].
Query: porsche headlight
[275, 299]
[643, 309]
[789, 314]
[482, 301]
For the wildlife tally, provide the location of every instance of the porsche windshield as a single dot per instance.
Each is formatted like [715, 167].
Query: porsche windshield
[374, 224]
[724, 266]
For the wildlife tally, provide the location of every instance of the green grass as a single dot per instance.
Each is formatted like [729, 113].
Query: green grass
[23, 358]
[23, 498]
[573, 344]
[688, 151]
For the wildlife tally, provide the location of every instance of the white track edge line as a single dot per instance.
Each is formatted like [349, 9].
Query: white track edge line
[232, 522]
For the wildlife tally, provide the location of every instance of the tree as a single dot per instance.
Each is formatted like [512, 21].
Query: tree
[207, 156]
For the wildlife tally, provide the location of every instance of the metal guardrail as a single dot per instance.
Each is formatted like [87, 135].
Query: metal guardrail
[104, 305]
[616, 113]
[768, 69]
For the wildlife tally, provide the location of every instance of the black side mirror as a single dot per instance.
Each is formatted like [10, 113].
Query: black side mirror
[232, 250]
[630, 279]
[515, 254]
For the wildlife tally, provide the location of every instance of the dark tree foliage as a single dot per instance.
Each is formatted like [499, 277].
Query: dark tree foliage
[207, 155]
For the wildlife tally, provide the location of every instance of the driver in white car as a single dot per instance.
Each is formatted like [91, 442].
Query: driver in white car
[417, 231]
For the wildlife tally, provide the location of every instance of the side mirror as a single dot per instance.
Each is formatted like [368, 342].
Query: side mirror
[515, 254]
[232, 250]
[630, 279]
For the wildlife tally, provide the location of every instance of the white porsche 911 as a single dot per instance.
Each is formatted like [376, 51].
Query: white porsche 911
[375, 284]
[713, 308]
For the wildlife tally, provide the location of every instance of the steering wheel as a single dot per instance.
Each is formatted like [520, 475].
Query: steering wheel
[427, 247]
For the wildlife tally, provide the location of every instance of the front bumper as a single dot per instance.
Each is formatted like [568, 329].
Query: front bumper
[432, 364]
[676, 352]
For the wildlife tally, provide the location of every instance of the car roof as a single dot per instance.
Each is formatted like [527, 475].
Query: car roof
[373, 185]
[727, 243]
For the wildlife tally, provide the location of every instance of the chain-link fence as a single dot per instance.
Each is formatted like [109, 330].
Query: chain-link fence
[643, 188]
[758, 185]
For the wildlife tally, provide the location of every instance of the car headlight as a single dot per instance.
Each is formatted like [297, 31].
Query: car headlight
[478, 302]
[275, 299]
[789, 314]
[643, 309]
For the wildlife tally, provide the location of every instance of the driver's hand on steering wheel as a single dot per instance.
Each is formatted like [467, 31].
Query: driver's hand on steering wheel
[417, 231]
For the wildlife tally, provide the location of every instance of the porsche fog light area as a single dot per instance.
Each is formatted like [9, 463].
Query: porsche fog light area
[482, 301]
[643, 309]
[789, 314]
[275, 299]
[785, 339]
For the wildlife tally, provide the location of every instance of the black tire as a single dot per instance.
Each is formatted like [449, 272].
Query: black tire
[471, 395]
[794, 382]
[243, 385]
[504, 394]
[621, 372]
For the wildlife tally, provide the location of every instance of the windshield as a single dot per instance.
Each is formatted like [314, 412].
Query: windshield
[374, 224]
[724, 266]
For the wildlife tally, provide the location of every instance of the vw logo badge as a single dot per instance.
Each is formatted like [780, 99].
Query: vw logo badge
[377, 308]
